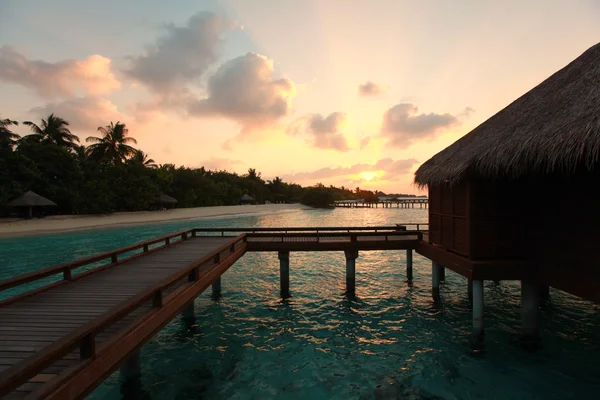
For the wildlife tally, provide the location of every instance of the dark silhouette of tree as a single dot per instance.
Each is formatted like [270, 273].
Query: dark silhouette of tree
[8, 139]
[142, 158]
[113, 146]
[53, 130]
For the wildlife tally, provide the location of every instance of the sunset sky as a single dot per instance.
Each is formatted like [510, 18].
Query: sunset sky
[354, 93]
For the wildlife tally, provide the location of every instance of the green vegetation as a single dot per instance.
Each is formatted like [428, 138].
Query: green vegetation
[111, 175]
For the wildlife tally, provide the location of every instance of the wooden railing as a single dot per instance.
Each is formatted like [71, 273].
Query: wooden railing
[66, 269]
[385, 235]
[417, 226]
[84, 338]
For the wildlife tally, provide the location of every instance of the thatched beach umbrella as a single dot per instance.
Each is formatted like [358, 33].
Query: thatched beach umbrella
[164, 199]
[247, 199]
[30, 200]
[553, 128]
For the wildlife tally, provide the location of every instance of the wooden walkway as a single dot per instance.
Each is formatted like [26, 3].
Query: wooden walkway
[62, 339]
[52, 336]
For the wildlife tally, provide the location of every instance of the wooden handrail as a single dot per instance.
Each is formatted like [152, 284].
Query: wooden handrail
[311, 229]
[84, 336]
[333, 234]
[66, 268]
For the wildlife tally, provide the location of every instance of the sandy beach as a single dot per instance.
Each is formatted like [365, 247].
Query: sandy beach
[62, 223]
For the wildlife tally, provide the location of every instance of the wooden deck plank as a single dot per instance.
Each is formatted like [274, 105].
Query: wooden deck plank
[33, 323]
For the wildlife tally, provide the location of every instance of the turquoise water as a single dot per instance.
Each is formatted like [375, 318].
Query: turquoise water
[391, 342]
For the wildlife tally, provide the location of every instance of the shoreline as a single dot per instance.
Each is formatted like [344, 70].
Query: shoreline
[69, 223]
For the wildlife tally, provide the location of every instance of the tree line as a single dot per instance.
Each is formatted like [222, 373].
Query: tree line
[110, 174]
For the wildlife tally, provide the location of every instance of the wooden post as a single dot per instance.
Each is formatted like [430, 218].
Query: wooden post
[284, 273]
[409, 264]
[442, 272]
[351, 256]
[530, 309]
[216, 288]
[544, 294]
[131, 368]
[470, 291]
[477, 309]
[188, 312]
[435, 280]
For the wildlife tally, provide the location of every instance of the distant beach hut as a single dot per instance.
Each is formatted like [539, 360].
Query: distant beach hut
[247, 199]
[516, 197]
[30, 200]
[164, 200]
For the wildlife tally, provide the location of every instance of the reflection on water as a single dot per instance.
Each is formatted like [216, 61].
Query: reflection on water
[389, 341]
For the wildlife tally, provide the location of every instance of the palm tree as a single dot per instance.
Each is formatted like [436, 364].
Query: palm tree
[142, 158]
[7, 137]
[113, 146]
[54, 130]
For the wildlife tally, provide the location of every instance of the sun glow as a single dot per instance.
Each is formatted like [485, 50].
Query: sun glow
[368, 176]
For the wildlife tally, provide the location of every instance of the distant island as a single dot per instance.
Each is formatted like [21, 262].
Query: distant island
[110, 174]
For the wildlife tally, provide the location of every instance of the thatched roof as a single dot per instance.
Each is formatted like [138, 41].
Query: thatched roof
[164, 199]
[31, 199]
[247, 198]
[553, 128]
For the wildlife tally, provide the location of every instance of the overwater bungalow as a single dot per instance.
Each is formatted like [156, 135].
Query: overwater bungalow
[515, 198]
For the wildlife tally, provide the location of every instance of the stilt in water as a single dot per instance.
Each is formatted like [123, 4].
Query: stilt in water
[216, 288]
[477, 311]
[409, 265]
[435, 281]
[442, 272]
[351, 256]
[284, 273]
[544, 294]
[470, 291]
[530, 296]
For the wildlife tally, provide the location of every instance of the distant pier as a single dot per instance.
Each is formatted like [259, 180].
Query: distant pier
[398, 203]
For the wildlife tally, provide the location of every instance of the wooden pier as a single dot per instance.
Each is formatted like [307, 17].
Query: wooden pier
[63, 338]
[399, 203]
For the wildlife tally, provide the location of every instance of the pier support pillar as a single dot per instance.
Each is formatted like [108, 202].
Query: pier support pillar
[530, 310]
[442, 273]
[435, 280]
[470, 291]
[544, 294]
[216, 288]
[188, 312]
[284, 273]
[132, 367]
[409, 265]
[351, 256]
[477, 309]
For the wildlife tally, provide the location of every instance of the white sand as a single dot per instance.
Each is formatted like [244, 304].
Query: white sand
[75, 222]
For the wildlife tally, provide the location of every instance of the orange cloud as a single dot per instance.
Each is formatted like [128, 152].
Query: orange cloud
[67, 78]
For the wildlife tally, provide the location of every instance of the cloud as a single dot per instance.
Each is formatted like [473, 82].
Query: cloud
[364, 142]
[83, 113]
[66, 78]
[387, 166]
[324, 131]
[402, 125]
[182, 55]
[243, 89]
[370, 89]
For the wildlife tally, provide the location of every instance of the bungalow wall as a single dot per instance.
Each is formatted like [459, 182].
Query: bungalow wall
[564, 234]
[477, 219]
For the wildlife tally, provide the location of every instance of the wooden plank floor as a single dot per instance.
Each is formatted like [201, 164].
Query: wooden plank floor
[34, 323]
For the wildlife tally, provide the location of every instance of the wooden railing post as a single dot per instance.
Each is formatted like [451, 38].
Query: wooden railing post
[194, 233]
[87, 348]
[232, 248]
[67, 274]
[145, 248]
[217, 258]
[157, 300]
[114, 258]
[184, 236]
[167, 241]
[194, 275]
